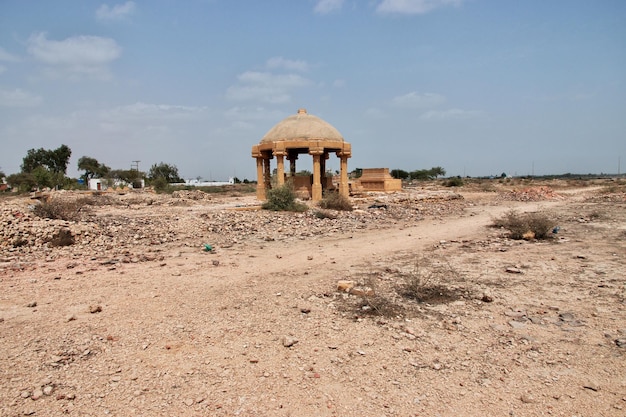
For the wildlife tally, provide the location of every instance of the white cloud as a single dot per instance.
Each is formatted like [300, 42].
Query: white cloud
[265, 87]
[327, 6]
[414, 6]
[374, 112]
[19, 98]
[339, 83]
[7, 57]
[78, 55]
[117, 12]
[288, 64]
[148, 111]
[416, 100]
[451, 114]
[2, 69]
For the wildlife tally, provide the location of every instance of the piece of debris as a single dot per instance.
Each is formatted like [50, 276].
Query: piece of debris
[289, 341]
[95, 309]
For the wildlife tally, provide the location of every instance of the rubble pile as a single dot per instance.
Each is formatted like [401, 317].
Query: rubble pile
[119, 226]
[531, 194]
[191, 195]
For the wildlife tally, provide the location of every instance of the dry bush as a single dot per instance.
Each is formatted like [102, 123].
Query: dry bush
[427, 281]
[336, 201]
[535, 225]
[378, 304]
[69, 210]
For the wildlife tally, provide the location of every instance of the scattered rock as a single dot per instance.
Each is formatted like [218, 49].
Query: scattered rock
[486, 298]
[289, 341]
[345, 285]
[591, 385]
[31, 305]
[362, 292]
[512, 270]
[516, 324]
[95, 309]
[527, 399]
[37, 394]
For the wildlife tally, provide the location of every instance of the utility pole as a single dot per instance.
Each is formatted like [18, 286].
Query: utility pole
[135, 166]
[619, 160]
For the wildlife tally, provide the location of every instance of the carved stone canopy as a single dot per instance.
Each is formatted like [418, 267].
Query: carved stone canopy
[301, 133]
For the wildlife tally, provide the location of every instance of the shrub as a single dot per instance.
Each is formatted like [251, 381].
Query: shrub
[336, 201]
[453, 182]
[283, 198]
[535, 225]
[425, 283]
[60, 209]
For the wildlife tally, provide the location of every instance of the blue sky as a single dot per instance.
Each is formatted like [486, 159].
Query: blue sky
[479, 87]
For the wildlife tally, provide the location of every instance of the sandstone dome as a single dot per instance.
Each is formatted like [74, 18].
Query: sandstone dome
[302, 127]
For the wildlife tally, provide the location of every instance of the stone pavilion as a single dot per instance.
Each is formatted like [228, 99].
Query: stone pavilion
[299, 134]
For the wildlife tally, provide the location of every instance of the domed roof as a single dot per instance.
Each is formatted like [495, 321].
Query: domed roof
[302, 126]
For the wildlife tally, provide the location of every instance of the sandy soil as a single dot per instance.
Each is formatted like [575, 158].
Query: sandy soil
[258, 327]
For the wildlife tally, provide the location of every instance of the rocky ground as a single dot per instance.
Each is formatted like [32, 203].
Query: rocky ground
[197, 304]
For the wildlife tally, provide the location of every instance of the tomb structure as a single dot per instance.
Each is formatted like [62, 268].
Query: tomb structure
[295, 135]
[376, 179]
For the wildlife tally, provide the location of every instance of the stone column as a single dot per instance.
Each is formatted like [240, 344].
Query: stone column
[280, 167]
[344, 189]
[323, 159]
[292, 164]
[267, 178]
[260, 181]
[316, 190]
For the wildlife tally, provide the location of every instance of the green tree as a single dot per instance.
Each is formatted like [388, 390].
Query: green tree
[420, 174]
[399, 174]
[53, 160]
[437, 171]
[166, 171]
[128, 176]
[23, 181]
[92, 168]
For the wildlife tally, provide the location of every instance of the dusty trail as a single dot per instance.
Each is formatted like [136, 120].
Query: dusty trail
[257, 329]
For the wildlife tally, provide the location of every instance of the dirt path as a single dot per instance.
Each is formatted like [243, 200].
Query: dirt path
[258, 329]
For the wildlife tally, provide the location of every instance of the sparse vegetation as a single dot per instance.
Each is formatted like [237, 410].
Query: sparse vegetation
[61, 209]
[453, 182]
[335, 201]
[283, 198]
[534, 225]
[425, 282]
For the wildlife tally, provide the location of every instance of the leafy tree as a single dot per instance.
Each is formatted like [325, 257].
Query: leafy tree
[92, 168]
[437, 171]
[53, 160]
[399, 174]
[162, 170]
[356, 173]
[420, 174]
[2, 175]
[304, 173]
[23, 181]
[129, 176]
